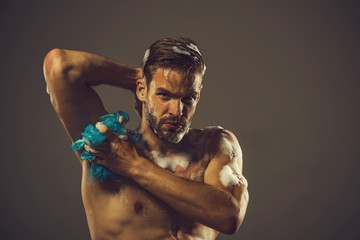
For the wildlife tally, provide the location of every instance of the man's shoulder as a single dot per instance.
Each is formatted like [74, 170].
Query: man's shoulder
[217, 141]
[213, 135]
[210, 131]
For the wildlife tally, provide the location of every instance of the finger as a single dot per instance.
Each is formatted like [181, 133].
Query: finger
[97, 154]
[123, 136]
[125, 116]
[139, 73]
[103, 148]
[91, 150]
[121, 119]
[106, 131]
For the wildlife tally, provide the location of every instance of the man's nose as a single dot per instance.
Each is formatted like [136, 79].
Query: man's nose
[176, 107]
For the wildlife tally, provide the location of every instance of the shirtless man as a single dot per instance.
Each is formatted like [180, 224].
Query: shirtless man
[178, 182]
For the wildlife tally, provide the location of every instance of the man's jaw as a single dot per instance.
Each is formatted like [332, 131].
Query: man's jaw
[170, 132]
[175, 132]
[168, 129]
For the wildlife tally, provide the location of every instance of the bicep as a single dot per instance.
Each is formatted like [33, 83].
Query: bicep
[76, 103]
[225, 168]
[225, 171]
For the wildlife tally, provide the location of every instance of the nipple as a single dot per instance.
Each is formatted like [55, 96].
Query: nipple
[138, 207]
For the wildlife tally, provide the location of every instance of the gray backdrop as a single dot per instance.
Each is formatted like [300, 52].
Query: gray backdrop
[282, 75]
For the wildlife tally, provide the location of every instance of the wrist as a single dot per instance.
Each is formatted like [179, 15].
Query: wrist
[140, 167]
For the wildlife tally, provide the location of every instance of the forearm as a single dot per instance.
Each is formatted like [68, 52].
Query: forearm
[88, 68]
[201, 202]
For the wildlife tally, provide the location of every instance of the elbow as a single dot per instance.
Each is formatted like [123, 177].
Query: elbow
[231, 225]
[54, 64]
[232, 222]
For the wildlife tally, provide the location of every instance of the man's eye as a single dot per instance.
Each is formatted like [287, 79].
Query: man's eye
[189, 99]
[163, 95]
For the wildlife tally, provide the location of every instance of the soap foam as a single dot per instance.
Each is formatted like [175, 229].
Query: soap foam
[146, 56]
[194, 47]
[230, 175]
[178, 50]
[204, 70]
[170, 163]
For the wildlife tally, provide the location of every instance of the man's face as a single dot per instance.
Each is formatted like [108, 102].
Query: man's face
[170, 103]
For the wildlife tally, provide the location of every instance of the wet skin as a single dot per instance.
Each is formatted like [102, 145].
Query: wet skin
[170, 102]
[168, 107]
[125, 210]
[149, 202]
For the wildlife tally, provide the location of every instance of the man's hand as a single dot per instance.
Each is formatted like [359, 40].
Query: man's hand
[118, 153]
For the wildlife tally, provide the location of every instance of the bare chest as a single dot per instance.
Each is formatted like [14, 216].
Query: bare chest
[189, 164]
[126, 210]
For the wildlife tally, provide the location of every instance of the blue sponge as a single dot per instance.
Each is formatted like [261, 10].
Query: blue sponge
[93, 137]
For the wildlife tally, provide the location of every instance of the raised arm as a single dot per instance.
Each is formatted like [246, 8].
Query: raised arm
[70, 76]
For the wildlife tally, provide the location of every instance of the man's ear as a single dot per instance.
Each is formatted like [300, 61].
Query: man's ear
[141, 89]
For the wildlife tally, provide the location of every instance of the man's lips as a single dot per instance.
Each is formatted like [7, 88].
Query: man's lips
[172, 125]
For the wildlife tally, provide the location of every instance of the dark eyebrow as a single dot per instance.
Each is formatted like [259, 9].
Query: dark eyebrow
[190, 93]
[165, 91]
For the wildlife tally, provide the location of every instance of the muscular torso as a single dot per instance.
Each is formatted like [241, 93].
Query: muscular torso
[124, 210]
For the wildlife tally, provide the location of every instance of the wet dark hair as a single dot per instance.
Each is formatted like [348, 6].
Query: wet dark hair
[178, 53]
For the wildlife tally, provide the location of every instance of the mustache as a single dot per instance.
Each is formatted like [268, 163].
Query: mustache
[173, 119]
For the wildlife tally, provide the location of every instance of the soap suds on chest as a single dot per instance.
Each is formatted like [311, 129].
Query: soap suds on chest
[171, 162]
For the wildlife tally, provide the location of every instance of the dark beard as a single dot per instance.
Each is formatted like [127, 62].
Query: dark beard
[171, 135]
